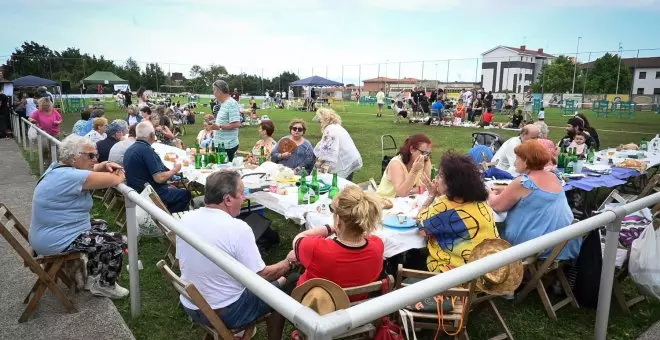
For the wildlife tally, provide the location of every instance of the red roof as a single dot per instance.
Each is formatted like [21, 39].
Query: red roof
[538, 52]
[391, 80]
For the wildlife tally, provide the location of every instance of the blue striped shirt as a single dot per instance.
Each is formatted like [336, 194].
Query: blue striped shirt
[228, 113]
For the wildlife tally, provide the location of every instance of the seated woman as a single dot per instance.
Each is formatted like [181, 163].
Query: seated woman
[133, 116]
[354, 257]
[98, 130]
[302, 156]
[253, 105]
[403, 174]
[266, 129]
[535, 201]
[460, 110]
[207, 134]
[554, 153]
[336, 151]
[515, 121]
[61, 207]
[487, 118]
[456, 217]
[163, 132]
[80, 124]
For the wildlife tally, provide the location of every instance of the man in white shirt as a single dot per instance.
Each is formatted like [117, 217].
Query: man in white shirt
[380, 100]
[505, 157]
[216, 224]
[467, 97]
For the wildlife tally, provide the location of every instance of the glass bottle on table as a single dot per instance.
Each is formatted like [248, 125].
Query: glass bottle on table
[262, 156]
[222, 154]
[314, 187]
[570, 162]
[334, 189]
[644, 144]
[591, 156]
[210, 152]
[303, 189]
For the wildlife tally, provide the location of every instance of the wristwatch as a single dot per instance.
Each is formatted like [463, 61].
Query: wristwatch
[329, 229]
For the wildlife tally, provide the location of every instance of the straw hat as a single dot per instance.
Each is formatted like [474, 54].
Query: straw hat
[502, 281]
[321, 295]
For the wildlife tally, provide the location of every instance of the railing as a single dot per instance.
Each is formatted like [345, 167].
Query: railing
[327, 326]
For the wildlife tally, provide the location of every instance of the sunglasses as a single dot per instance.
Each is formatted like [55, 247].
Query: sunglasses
[297, 129]
[91, 155]
[332, 210]
[424, 153]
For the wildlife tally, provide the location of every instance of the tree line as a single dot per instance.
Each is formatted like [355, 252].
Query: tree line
[72, 65]
[598, 77]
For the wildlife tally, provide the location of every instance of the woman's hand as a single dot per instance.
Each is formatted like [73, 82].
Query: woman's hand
[418, 165]
[285, 155]
[57, 122]
[108, 167]
[121, 174]
[432, 185]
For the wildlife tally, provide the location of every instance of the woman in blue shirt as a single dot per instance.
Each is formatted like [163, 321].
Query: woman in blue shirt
[60, 214]
[535, 201]
[303, 154]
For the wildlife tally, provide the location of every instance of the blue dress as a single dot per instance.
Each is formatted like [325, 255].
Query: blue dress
[302, 156]
[540, 213]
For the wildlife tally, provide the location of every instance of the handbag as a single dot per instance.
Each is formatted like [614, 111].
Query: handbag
[643, 264]
[32, 133]
[388, 330]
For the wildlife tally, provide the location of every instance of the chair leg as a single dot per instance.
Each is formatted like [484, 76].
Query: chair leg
[501, 319]
[567, 287]
[619, 297]
[543, 294]
[44, 282]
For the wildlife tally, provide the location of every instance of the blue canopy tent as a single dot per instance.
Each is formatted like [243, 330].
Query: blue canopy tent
[32, 81]
[316, 81]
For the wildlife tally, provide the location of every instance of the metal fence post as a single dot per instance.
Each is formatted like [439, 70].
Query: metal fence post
[607, 278]
[40, 153]
[53, 152]
[133, 267]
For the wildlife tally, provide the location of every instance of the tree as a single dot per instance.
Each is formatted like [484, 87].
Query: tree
[29, 59]
[132, 73]
[153, 77]
[557, 77]
[602, 76]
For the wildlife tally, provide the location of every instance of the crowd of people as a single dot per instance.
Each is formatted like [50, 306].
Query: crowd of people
[457, 216]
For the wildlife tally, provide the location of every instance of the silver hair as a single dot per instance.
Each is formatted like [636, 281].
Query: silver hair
[544, 131]
[144, 130]
[115, 126]
[72, 146]
[219, 185]
[221, 85]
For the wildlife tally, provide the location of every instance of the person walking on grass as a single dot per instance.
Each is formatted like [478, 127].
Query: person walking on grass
[380, 100]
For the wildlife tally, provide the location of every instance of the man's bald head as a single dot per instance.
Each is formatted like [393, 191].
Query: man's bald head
[529, 131]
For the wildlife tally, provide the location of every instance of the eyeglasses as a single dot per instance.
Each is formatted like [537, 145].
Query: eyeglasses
[332, 210]
[91, 155]
[297, 129]
[424, 153]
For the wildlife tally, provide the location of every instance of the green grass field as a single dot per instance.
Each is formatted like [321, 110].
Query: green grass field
[163, 318]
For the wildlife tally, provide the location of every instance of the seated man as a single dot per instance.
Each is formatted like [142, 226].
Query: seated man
[516, 120]
[115, 132]
[505, 158]
[143, 166]
[216, 223]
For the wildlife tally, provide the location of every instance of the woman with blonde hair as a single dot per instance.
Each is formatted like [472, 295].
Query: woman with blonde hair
[133, 116]
[207, 134]
[336, 151]
[355, 256]
[302, 155]
[98, 131]
[46, 117]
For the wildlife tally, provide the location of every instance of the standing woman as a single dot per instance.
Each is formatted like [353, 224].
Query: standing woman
[142, 97]
[336, 150]
[49, 120]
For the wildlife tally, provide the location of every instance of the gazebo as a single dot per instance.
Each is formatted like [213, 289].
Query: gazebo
[32, 81]
[317, 82]
[103, 77]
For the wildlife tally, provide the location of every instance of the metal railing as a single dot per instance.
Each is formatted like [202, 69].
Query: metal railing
[327, 326]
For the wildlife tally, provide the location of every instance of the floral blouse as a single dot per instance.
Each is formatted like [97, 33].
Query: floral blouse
[268, 149]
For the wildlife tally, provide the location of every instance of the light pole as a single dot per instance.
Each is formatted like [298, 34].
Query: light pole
[577, 51]
[436, 72]
[618, 72]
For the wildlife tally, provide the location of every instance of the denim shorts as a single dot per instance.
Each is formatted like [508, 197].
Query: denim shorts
[239, 314]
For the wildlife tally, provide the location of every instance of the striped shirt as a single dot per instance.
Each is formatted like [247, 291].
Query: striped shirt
[227, 114]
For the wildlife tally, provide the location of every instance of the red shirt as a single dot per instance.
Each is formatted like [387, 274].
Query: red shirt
[346, 266]
[487, 117]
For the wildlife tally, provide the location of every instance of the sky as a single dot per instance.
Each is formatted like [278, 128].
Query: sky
[386, 37]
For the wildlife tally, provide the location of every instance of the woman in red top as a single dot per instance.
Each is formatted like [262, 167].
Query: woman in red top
[487, 118]
[354, 257]
[460, 110]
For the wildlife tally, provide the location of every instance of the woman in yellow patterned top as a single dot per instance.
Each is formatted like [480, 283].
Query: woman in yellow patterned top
[456, 218]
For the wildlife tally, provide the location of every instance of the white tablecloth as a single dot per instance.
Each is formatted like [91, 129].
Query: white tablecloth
[650, 158]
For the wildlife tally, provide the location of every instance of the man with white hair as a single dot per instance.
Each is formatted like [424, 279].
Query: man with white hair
[118, 150]
[144, 166]
[115, 132]
[228, 119]
[505, 158]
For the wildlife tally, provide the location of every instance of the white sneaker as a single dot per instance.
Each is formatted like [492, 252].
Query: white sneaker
[112, 292]
[91, 280]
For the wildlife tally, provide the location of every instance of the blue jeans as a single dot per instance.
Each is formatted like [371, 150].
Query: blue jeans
[239, 314]
[176, 200]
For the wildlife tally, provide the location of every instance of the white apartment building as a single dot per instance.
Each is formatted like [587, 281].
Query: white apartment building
[510, 69]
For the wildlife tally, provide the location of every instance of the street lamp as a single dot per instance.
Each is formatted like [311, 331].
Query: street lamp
[577, 51]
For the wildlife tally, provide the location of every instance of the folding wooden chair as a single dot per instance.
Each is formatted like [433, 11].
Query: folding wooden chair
[170, 253]
[218, 329]
[47, 268]
[540, 268]
[369, 185]
[651, 187]
[453, 321]
[373, 289]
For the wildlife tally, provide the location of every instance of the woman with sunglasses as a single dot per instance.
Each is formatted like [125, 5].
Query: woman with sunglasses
[61, 207]
[300, 157]
[403, 174]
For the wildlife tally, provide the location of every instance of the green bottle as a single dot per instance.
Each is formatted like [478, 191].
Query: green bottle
[561, 159]
[210, 152]
[644, 144]
[303, 190]
[570, 162]
[591, 156]
[222, 154]
[198, 160]
[334, 189]
[314, 187]
[262, 157]
[434, 172]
